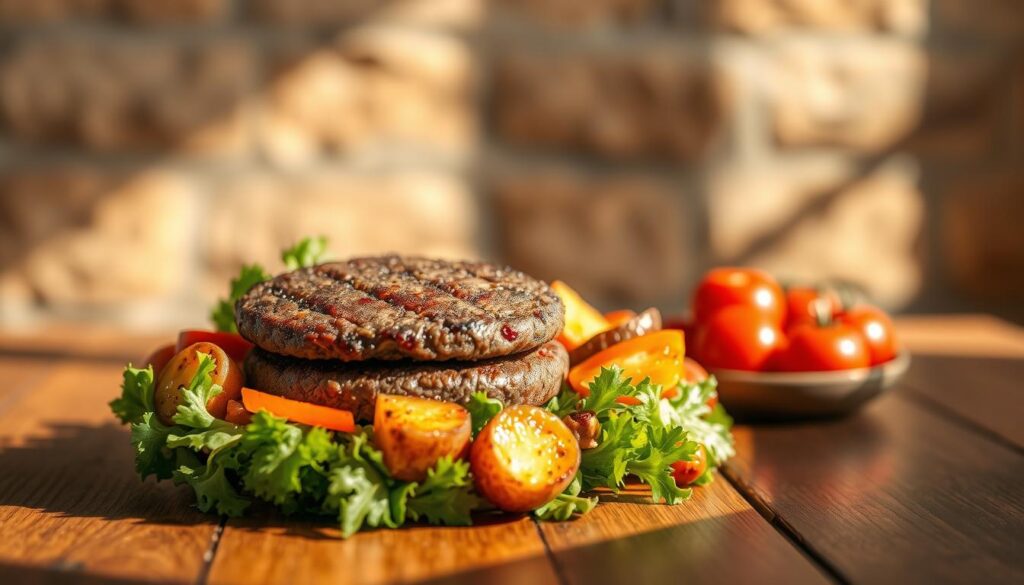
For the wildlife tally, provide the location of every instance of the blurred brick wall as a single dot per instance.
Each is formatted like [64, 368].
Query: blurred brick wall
[147, 147]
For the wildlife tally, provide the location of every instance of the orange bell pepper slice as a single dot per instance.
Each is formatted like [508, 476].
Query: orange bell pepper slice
[658, 356]
[620, 317]
[300, 412]
[582, 321]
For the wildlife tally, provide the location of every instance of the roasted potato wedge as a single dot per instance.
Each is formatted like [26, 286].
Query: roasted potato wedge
[179, 372]
[413, 433]
[523, 458]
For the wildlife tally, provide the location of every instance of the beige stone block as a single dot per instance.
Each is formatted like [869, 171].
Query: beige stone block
[861, 95]
[574, 14]
[621, 240]
[376, 89]
[318, 13]
[824, 219]
[78, 238]
[139, 11]
[658, 102]
[770, 16]
[109, 95]
[253, 218]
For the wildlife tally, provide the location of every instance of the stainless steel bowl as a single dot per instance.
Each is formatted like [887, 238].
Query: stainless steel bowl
[803, 395]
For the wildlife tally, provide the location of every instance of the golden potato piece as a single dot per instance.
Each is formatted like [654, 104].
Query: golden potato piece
[182, 368]
[523, 458]
[413, 433]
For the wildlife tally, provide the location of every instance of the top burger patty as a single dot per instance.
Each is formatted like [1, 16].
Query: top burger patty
[394, 307]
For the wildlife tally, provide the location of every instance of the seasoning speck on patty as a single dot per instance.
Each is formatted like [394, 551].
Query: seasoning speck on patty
[395, 307]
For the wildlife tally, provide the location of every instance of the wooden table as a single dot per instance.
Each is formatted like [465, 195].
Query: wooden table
[923, 486]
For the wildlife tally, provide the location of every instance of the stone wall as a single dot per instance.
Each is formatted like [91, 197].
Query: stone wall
[147, 147]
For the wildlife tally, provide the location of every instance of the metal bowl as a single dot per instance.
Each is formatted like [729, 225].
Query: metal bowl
[804, 395]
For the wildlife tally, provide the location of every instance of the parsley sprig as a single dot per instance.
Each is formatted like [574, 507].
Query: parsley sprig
[306, 252]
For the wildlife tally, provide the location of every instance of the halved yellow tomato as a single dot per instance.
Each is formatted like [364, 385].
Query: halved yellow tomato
[658, 356]
[582, 321]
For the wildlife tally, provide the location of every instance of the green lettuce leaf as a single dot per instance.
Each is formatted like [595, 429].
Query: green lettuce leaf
[482, 409]
[149, 438]
[192, 409]
[567, 504]
[223, 313]
[445, 496]
[277, 453]
[651, 463]
[307, 252]
[214, 491]
[709, 426]
[359, 489]
[136, 397]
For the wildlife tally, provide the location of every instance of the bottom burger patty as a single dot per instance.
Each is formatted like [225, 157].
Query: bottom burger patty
[532, 377]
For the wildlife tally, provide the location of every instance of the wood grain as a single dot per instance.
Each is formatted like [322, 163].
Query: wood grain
[509, 551]
[19, 375]
[971, 366]
[70, 502]
[71, 341]
[716, 537]
[895, 494]
[987, 391]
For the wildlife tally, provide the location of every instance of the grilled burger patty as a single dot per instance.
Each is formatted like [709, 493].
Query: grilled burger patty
[394, 307]
[533, 377]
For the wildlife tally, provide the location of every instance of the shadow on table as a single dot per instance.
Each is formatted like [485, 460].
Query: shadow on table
[56, 575]
[78, 470]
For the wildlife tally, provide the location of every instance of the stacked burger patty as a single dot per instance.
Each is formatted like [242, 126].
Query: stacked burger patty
[340, 333]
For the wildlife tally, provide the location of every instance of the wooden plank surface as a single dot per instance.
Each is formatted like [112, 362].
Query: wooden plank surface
[987, 391]
[71, 504]
[971, 366]
[894, 494]
[922, 486]
[509, 550]
[716, 537]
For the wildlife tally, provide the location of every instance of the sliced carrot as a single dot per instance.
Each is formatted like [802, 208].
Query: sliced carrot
[629, 400]
[582, 321]
[296, 411]
[658, 356]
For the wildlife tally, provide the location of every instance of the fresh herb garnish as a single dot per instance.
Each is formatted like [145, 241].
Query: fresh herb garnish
[306, 252]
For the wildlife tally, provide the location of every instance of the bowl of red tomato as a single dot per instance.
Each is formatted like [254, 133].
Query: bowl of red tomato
[791, 352]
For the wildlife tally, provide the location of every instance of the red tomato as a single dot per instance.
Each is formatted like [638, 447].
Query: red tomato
[814, 348]
[687, 472]
[739, 337]
[801, 305]
[693, 372]
[724, 287]
[877, 329]
[233, 344]
[159, 358]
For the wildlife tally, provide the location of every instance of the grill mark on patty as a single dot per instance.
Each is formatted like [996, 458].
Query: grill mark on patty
[394, 307]
[307, 304]
[368, 290]
[444, 289]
